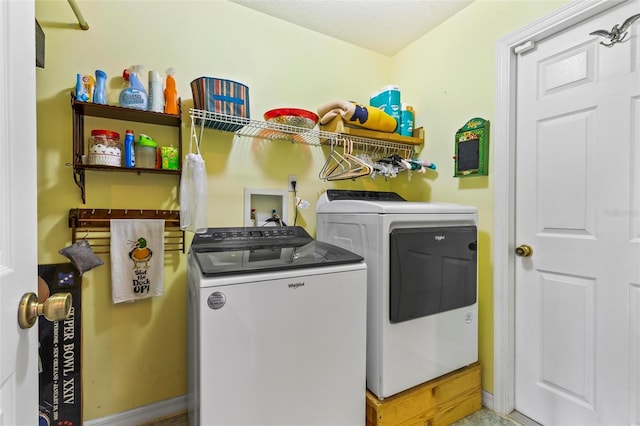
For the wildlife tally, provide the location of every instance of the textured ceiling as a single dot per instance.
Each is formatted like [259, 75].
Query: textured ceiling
[383, 26]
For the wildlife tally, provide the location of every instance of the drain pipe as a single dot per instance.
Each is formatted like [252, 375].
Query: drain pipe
[76, 11]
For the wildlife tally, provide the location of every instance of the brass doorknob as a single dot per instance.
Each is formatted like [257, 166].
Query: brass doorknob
[524, 250]
[57, 307]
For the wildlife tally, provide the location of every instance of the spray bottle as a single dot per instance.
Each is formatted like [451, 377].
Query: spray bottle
[134, 96]
[125, 84]
[170, 93]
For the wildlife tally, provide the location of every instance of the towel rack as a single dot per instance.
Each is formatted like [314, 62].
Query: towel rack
[94, 225]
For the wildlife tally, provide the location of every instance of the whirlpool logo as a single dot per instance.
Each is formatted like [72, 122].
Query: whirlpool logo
[296, 285]
[439, 237]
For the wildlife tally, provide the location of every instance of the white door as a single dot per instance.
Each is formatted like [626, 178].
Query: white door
[578, 207]
[18, 223]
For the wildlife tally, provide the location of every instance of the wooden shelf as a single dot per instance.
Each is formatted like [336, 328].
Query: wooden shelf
[125, 114]
[88, 109]
[126, 169]
[337, 125]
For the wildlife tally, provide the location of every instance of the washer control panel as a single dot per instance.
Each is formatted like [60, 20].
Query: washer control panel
[250, 236]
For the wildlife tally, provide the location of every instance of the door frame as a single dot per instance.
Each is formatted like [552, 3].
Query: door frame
[504, 186]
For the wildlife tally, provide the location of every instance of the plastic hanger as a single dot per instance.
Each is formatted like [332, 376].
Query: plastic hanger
[358, 169]
[334, 160]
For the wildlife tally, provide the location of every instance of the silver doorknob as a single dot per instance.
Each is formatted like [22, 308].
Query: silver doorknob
[57, 307]
[524, 250]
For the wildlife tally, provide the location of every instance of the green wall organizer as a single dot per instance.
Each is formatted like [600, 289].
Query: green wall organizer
[472, 149]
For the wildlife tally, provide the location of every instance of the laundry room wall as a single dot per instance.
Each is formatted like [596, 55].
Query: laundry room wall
[134, 354]
[449, 77]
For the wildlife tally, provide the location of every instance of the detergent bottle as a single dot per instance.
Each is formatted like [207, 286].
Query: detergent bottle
[129, 149]
[134, 96]
[100, 90]
[84, 87]
[170, 93]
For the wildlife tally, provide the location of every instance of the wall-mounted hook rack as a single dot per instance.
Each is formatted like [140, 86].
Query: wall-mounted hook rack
[94, 225]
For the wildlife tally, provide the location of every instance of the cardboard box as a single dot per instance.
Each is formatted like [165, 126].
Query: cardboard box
[60, 372]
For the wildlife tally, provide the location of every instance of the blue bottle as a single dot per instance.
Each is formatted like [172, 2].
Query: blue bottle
[129, 149]
[100, 91]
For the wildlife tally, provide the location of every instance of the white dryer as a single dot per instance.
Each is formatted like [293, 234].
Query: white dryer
[421, 282]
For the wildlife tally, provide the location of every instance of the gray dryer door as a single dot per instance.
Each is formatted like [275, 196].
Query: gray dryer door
[432, 270]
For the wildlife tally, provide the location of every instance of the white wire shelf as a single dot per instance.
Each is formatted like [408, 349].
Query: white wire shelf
[201, 119]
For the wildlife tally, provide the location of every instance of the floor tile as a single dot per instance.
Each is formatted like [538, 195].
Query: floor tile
[486, 417]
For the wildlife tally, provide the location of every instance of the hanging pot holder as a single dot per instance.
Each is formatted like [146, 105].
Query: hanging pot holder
[81, 256]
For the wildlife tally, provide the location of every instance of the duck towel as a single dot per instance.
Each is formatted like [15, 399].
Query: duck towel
[137, 259]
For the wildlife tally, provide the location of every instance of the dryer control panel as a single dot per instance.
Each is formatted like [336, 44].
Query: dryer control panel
[347, 194]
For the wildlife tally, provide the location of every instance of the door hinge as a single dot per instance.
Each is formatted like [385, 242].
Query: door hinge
[524, 47]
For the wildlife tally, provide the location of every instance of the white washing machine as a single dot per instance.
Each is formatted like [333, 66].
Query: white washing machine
[277, 329]
[422, 282]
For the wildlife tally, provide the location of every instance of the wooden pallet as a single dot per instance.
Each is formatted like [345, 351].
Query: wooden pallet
[440, 401]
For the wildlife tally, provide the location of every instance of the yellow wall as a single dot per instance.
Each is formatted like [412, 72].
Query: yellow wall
[135, 354]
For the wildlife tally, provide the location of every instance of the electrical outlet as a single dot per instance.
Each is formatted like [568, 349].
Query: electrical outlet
[292, 178]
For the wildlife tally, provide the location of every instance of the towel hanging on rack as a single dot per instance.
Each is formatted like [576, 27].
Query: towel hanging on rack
[137, 259]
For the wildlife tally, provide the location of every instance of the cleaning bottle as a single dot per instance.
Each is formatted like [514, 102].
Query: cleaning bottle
[100, 91]
[170, 93]
[156, 98]
[134, 96]
[125, 84]
[129, 150]
[84, 87]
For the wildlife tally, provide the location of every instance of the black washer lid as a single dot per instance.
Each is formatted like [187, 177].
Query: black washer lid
[227, 251]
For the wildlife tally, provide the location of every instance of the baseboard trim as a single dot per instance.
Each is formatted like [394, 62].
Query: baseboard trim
[142, 414]
[487, 400]
[149, 412]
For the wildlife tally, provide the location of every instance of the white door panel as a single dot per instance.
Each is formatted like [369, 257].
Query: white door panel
[18, 254]
[578, 206]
